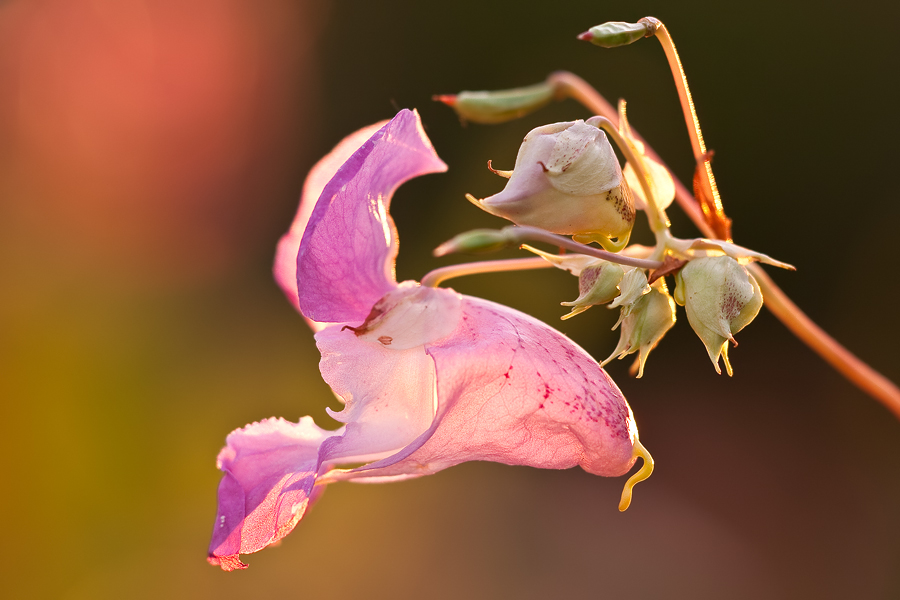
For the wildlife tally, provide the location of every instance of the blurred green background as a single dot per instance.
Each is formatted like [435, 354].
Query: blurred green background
[151, 154]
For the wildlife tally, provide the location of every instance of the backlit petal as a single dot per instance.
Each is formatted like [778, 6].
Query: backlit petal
[346, 257]
[661, 183]
[513, 390]
[270, 469]
[389, 395]
[285, 267]
[383, 373]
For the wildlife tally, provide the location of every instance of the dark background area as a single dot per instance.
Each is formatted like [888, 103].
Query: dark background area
[151, 154]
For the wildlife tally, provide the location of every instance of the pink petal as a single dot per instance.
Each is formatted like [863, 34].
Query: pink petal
[514, 390]
[346, 258]
[389, 395]
[270, 469]
[285, 267]
[510, 389]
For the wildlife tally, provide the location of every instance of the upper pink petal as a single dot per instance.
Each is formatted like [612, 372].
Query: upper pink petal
[346, 258]
[285, 267]
[270, 470]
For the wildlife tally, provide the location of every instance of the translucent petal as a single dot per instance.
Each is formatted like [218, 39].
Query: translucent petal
[513, 390]
[661, 183]
[388, 387]
[346, 257]
[270, 470]
[573, 263]
[285, 267]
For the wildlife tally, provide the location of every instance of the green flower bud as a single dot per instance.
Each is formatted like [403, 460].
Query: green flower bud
[476, 241]
[598, 283]
[649, 318]
[720, 298]
[501, 105]
[618, 33]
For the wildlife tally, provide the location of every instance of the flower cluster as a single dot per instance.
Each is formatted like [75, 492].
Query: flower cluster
[429, 378]
[567, 180]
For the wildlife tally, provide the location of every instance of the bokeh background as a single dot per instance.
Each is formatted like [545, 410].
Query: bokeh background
[151, 154]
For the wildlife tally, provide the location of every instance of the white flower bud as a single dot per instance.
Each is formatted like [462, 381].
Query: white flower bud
[567, 180]
[720, 298]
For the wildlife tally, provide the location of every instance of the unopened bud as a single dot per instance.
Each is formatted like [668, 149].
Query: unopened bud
[617, 33]
[567, 180]
[501, 105]
[651, 316]
[477, 241]
[720, 298]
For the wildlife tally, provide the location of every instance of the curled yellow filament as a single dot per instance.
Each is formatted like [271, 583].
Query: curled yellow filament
[643, 473]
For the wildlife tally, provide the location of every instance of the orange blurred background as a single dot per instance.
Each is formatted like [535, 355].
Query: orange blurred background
[151, 154]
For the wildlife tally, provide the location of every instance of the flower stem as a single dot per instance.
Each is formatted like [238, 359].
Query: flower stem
[842, 360]
[710, 189]
[436, 277]
[516, 234]
[572, 86]
[684, 92]
[524, 233]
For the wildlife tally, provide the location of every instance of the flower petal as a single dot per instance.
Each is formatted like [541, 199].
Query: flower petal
[383, 374]
[285, 267]
[389, 395]
[661, 183]
[270, 470]
[346, 257]
[513, 390]
[572, 262]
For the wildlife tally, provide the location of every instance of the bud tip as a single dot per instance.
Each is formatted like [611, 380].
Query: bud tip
[448, 99]
[444, 249]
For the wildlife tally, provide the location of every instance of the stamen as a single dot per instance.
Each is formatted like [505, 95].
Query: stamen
[643, 473]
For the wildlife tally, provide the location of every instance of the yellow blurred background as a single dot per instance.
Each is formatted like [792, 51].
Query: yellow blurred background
[151, 154]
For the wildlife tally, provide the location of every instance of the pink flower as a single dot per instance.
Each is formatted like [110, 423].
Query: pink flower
[429, 378]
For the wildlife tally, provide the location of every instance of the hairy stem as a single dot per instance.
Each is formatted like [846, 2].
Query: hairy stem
[690, 113]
